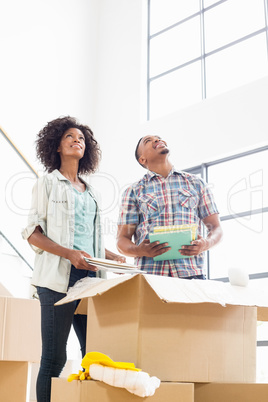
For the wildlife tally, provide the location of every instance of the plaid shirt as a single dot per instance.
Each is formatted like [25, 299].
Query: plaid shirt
[180, 198]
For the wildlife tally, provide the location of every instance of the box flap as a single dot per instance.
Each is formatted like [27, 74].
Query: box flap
[89, 287]
[175, 290]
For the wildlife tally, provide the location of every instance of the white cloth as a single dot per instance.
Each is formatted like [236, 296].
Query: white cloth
[136, 382]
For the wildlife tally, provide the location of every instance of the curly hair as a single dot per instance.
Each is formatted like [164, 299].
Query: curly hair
[49, 138]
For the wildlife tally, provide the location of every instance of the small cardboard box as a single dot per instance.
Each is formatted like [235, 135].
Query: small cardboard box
[177, 330]
[231, 392]
[20, 329]
[4, 291]
[262, 314]
[95, 391]
[14, 381]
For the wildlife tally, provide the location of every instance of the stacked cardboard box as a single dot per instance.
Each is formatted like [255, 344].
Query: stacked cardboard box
[94, 391]
[231, 392]
[14, 384]
[180, 331]
[20, 345]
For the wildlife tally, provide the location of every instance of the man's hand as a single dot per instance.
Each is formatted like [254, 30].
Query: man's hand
[197, 247]
[214, 236]
[115, 257]
[144, 249]
[147, 249]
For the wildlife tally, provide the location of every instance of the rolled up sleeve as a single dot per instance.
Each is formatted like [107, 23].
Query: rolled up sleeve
[38, 212]
[207, 205]
[129, 213]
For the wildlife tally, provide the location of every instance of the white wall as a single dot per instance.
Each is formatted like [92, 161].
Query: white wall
[205, 131]
[218, 126]
[48, 63]
[48, 52]
[87, 58]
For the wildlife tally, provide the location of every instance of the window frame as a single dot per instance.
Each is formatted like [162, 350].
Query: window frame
[203, 55]
[203, 171]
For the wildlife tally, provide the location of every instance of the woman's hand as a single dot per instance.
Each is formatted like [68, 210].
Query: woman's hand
[76, 258]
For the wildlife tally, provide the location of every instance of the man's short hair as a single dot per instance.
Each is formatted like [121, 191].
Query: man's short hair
[137, 156]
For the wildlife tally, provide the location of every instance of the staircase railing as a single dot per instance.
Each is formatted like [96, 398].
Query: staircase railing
[22, 157]
[14, 248]
[29, 166]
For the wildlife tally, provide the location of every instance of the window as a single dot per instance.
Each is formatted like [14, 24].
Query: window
[198, 49]
[240, 187]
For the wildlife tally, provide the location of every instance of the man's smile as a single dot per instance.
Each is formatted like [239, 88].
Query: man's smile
[159, 144]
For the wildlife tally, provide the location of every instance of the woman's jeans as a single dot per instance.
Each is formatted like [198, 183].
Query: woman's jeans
[56, 322]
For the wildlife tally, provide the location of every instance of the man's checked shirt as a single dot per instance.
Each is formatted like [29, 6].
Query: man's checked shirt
[180, 198]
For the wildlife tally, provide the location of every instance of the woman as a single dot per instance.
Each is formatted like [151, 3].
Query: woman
[63, 228]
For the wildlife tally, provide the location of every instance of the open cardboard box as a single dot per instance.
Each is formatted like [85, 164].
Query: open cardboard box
[20, 329]
[177, 330]
[95, 391]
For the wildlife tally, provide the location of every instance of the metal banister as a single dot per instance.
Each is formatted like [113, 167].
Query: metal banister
[14, 248]
[8, 139]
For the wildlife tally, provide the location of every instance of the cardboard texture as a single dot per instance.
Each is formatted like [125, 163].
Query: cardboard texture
[174, 290]
[14, 381]
[20, 333]
[231, 392]
[173, 341]
[94, 391]
[4, 291]
[174, 329]
[262, 314]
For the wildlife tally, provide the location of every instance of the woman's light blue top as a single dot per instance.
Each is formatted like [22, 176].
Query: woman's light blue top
[85, 212]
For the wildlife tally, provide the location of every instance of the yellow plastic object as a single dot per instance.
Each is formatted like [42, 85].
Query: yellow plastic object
[82, 375]
[102, 359]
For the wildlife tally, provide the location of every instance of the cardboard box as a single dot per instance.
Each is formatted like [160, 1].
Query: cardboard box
[177, 330]
[14, 381]
[4, 291]
[231, 392]
[20, 329]
[94, 391]
[262, 314]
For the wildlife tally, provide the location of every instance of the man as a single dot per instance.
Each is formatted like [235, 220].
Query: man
[166, 196]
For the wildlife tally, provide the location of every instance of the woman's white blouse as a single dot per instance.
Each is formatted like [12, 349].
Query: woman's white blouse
[53, 210]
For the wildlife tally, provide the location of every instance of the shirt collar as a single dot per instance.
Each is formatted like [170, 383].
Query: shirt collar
[151, 174]
[60, 176]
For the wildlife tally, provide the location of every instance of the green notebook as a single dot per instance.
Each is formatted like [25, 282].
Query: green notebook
[175, 240]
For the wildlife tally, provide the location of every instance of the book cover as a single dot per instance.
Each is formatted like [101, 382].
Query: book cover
[175, 240]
